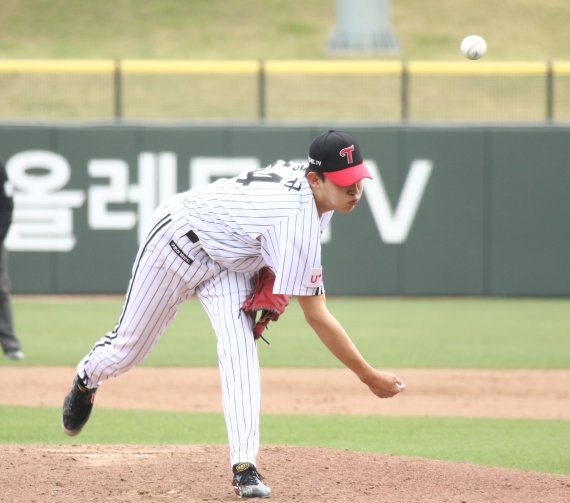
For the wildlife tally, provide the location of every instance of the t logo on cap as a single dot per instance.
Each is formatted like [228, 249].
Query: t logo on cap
[347, 152]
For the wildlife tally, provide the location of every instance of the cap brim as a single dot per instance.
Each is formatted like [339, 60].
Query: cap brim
[348, 176]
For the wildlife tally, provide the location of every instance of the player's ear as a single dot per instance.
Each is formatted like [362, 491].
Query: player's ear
[313, 178]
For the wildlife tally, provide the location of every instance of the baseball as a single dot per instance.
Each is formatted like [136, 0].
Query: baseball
[473, 47]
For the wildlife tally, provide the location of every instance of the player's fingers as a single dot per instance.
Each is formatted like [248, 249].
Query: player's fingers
[390, 391]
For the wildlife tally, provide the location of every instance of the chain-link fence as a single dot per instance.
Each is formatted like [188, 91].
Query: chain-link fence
[330, 90]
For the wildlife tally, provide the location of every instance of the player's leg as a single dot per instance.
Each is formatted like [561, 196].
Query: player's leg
[167, 269]
[150, 304]
[222, 297]
[10, 343]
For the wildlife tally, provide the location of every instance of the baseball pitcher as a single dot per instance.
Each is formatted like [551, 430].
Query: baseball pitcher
[244, 246]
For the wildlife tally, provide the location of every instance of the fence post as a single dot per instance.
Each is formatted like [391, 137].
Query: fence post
[261, 91]
[404, 93]
[549, 92]
[118, 91]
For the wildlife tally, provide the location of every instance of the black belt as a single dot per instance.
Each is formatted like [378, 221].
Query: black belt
[191, 235]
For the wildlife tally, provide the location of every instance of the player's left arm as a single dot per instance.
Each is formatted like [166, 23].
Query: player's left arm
[338, 342]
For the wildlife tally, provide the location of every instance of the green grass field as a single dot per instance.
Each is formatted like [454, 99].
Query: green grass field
[280, 29]
[522, 444]
[423, 333]
[392, 333]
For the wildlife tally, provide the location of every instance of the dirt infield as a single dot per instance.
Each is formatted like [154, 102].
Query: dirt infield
[518, 394]
[80, 473]
[90, 474]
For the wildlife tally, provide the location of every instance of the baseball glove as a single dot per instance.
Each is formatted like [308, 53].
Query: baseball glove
[262, 300]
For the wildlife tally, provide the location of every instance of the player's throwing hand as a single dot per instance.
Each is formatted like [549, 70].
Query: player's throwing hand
[384, 384]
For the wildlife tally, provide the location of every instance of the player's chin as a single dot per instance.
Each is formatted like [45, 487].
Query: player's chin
[348, 208]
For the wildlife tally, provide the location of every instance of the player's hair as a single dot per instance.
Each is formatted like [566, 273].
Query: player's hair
[319, 174]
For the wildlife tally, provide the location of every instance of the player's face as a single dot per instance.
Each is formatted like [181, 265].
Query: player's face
[329, 196]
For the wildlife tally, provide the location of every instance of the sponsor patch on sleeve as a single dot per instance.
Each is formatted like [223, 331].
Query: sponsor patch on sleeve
[314, 277]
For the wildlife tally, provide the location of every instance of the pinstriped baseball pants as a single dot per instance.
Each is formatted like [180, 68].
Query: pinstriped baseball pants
[170, 268]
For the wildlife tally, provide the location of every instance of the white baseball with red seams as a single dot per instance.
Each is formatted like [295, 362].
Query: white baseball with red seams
[473, 47]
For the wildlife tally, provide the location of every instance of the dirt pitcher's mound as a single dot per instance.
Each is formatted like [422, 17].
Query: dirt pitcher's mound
[76, 473]
[516, 394]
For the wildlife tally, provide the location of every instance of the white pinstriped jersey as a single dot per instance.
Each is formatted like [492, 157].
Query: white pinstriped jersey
[260, 217]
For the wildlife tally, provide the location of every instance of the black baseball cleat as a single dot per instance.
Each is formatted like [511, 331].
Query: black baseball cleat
[247, 482]
[77, 407]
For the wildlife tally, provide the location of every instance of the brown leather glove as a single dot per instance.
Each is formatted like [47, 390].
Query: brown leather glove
[263, 300]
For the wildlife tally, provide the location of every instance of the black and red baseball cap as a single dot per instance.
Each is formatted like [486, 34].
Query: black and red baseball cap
[336, 154]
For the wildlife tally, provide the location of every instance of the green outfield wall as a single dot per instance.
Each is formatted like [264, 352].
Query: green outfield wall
[462, 210]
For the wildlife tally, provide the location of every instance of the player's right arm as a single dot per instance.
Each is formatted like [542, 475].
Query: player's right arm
[338, 342]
